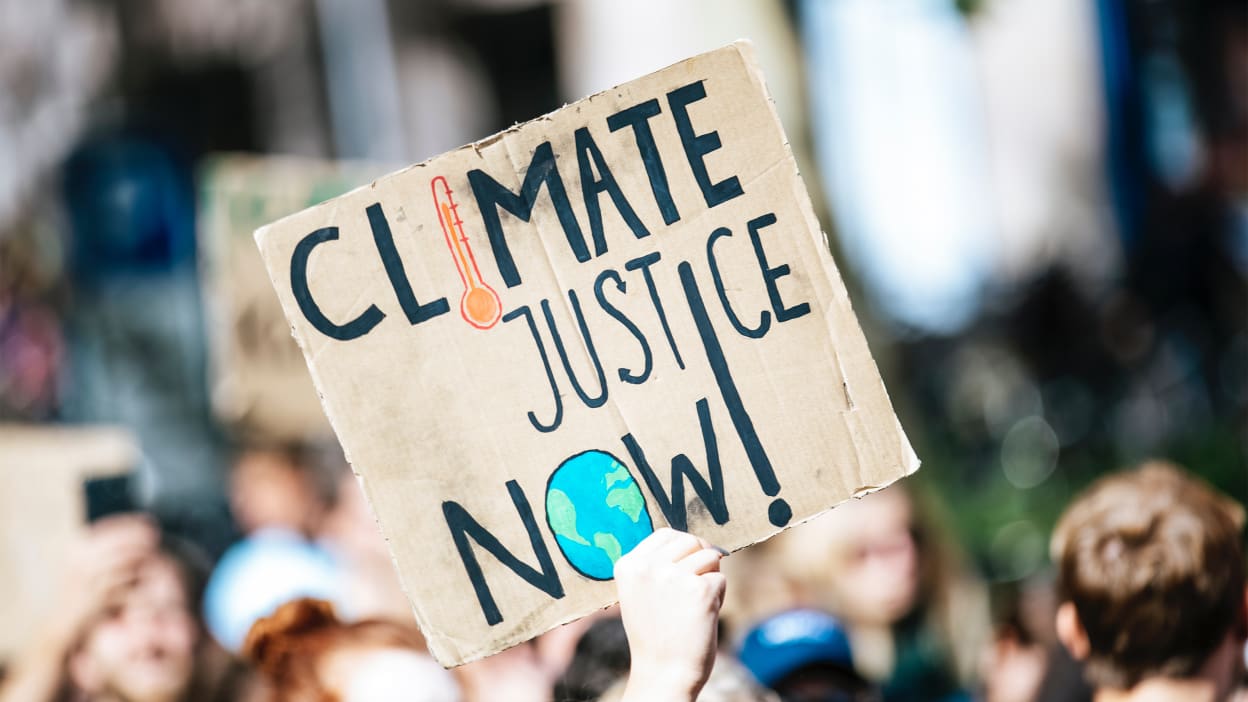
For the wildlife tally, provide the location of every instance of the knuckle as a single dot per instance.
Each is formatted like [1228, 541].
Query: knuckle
[686, 539]
[624, 569]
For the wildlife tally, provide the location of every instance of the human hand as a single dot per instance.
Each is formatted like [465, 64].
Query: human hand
[99, 569]
[670, 594]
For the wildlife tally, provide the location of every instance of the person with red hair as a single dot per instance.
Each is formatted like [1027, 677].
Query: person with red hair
[306, 654]
[670, 593]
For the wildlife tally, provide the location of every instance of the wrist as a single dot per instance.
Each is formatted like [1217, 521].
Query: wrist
[650, 691]
[659, 683]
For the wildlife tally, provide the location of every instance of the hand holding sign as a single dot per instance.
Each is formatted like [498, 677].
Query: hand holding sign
[650, 248]
[670, 594]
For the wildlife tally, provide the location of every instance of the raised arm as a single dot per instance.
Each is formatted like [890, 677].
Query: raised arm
[101, 567]
[670, 594]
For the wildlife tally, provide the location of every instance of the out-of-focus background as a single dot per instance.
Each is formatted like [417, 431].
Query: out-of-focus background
[1041, 207]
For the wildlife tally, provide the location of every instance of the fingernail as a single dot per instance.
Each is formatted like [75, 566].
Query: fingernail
[722, 552]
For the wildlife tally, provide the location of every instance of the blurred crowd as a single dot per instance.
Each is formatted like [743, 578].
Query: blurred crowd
[1040, 206]
[869, 602]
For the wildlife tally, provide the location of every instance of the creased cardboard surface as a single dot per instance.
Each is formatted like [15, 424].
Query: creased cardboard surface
[425, 310]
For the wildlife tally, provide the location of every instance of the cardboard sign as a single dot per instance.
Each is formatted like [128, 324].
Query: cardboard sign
[42, 512]
[260, 384]
[541, 347]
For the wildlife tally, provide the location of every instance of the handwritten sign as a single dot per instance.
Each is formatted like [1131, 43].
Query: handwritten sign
[541, 347]
[260, 384]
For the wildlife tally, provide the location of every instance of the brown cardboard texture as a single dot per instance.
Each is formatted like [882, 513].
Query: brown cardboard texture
[540, 347]
[260, 384]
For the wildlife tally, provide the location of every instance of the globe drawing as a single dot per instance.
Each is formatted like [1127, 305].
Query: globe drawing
[596, 511]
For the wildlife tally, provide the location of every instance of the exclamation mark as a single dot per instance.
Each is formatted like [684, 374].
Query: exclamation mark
[778, 512]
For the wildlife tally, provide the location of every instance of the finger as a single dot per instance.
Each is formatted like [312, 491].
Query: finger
[124, 529]
[704, 560]
[678, 547]
[109, 590]
[719, 586]
[114, 585]
[129, 524]
[648, 545]
[662, 537]
[130, 535]
[119, 556]
[121, 544]
[713, 547]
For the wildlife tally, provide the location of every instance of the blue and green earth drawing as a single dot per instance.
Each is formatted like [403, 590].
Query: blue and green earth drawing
[596, 511]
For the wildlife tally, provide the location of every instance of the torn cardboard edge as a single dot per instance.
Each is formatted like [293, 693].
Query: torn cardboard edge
[839, 331]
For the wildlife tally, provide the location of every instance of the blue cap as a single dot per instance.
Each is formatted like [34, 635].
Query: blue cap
[785, 642]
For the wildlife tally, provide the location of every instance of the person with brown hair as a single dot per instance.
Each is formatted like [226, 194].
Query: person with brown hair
[306, 654]
[915, 613]
[1151, 582]
[125, 625]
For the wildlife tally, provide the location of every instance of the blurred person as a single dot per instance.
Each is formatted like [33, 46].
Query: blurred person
[306, 654]
[516, 675]
[600, 659]
[559, 649]
[916, 618]
[125, 629]
[729, 681]
[310, 533]
[260, 573]
[276, 487]
[349, 532]
[762, 585]
[1152, 587]
[1024, 661]
[670, 593]
[732, 682]
[280, 498]
[1014, 664]
[1063, 680]
[804, 655]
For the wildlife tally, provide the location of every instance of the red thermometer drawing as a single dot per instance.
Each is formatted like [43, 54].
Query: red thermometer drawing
[479, 305]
